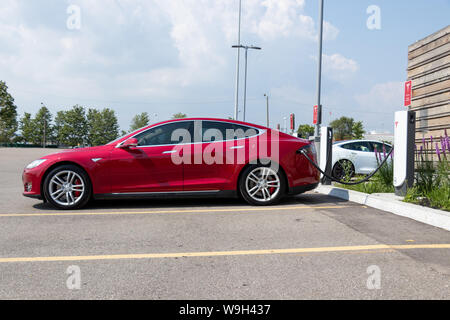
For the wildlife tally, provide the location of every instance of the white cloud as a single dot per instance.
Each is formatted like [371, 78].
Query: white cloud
[339, 68]
[383, 96]
[137, 49]
[330, 32]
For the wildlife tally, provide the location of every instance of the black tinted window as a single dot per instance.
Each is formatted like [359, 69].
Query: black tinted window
[358, 146]
[379, 147]
[172, 133]
[219, 131]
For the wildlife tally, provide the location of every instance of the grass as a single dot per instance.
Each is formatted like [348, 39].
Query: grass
[432, 187]
[432, 181]
[435, 198]
[381, 182]
[375, 185]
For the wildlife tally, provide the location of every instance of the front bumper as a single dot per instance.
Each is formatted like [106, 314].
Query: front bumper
[31, 182]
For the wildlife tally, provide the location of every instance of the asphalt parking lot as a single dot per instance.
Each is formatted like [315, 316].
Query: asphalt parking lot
[308, 247]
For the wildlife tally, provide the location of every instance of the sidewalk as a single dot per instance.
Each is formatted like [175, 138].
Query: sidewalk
[391, 203]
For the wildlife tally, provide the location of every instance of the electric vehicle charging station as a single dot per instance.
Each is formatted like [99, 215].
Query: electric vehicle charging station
[404, 141]
[326, 153]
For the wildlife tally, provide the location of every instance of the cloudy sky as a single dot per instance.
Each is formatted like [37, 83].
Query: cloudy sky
[168, 56]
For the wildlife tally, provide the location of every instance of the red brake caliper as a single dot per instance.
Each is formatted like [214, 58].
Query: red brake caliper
[77, 193]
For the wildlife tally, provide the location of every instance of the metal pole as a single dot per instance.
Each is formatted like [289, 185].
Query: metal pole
[267, 110]
[45, 127]
[319, 71]
[236, 102]
[245, 81]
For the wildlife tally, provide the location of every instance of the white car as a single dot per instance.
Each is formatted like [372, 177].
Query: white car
[356, 155]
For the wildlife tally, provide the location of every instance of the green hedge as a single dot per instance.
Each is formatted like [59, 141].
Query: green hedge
[24, 145]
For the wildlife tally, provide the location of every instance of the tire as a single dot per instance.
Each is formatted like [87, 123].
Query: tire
[339, 169]
[261, 185]
[67, 187]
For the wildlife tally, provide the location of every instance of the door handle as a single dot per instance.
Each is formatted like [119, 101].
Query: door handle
[237, 147]
[168, 152]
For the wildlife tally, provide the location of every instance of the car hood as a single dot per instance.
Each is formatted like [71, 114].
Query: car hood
[68, 152]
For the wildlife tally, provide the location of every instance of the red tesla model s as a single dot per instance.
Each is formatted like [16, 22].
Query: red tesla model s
[183, 158]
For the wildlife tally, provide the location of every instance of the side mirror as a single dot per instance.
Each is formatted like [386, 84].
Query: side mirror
[129, 143]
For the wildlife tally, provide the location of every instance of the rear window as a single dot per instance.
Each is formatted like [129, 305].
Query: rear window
[219, 131]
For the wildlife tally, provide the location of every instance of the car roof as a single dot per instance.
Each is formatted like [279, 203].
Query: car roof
[360, 140]
[215, 119]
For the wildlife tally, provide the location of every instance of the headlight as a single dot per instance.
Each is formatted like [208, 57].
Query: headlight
[36, 163]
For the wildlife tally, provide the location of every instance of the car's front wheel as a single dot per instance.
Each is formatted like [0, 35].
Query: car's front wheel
[262, 185]
[67, 187]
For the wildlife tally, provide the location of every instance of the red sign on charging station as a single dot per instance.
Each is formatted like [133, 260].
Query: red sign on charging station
[408, 93]
[316, 115]
[292, 121]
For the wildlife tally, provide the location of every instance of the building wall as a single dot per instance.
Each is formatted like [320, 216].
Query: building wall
[429, 70]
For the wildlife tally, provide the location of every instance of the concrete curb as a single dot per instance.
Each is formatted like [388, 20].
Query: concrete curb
[391, 203]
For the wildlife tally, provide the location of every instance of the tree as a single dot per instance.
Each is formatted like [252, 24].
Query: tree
[42, 124]
[26, 128]
[8, 114]
[71, 126]
[102, 126]
[139, 121]
[305, 131]
[342, 128]
[179, 115]
[358, 130]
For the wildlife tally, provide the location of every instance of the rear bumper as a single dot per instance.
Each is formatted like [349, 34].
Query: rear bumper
[302, 189]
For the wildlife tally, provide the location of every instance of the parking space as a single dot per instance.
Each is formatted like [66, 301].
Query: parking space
[308, 246]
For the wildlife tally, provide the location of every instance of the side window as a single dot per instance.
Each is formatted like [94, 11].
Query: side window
[172, 133]
[220, 131]
[379, 147]
[358, 146]
[347, 146]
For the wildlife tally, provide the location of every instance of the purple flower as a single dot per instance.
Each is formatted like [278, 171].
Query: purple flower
[421, 151]
[384, 151]
[438, 152]
[376, 152]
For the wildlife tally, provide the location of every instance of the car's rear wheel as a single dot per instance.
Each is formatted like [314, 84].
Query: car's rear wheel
[67, 187]
[262, 185]
[343, 169]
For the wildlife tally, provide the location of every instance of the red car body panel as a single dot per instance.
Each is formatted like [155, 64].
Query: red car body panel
[151, 169]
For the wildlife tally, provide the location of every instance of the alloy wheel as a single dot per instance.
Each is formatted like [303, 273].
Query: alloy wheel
[66, 188]
[263, 184]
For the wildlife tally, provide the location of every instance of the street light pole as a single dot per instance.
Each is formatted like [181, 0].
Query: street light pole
[246, 59]
[319, 72]
[236, 102]
[245, 82]
[267, 110]
[45, 128]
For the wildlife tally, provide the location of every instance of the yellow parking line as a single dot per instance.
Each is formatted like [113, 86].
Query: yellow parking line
[364, 248]
[231, 209]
